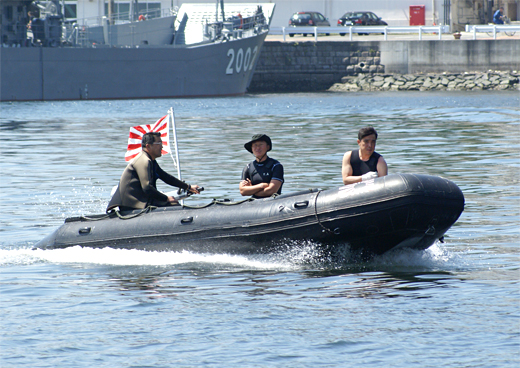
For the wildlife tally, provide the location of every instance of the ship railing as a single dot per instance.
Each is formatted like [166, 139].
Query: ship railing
[197, 30]
[236, 27]
[200, 23]
[123, 18]
[76, 32]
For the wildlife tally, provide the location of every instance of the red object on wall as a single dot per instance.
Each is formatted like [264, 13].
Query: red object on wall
[417, 17]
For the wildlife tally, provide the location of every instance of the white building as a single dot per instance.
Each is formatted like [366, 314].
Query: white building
[456, 13]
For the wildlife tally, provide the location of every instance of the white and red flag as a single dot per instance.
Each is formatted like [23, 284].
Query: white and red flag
[136, 136]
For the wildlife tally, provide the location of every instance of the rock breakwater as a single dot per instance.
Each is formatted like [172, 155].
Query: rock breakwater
[492, 80]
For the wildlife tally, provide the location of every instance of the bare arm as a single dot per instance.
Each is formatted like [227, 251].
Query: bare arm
[270, 189]
[248, 189]
[260, 190]
[382, 168]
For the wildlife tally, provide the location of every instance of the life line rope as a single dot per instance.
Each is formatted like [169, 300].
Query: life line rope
[216, 201]
[93, 219]
[151, 208]
[117, 213]
[142, 212]
[213, 202]
[333, 232]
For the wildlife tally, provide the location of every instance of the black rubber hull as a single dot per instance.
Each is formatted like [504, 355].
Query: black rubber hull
[401, 210]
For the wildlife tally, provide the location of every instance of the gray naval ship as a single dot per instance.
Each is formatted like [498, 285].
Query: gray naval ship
[193, 51]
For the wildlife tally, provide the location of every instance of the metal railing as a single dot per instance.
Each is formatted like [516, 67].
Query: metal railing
[493, 29]
[118, 18]
[75, 31]
[385, 30]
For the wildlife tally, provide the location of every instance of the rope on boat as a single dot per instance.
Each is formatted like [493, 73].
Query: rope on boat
[151, 208]
[333, 232]
[142, 212]
[216, 201]
[93, 219]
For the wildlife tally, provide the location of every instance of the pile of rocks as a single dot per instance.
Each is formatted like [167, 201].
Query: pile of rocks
[492, 80]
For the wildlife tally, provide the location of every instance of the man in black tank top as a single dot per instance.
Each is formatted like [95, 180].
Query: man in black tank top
[365, 163]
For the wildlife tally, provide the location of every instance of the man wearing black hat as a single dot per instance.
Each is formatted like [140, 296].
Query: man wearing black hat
[262, 177]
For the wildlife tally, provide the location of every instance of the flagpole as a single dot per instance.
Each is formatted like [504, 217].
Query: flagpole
[175, 161]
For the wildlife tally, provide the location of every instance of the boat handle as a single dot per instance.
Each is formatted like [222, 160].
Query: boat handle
[85, 231]
[187, 220]
[301, 204]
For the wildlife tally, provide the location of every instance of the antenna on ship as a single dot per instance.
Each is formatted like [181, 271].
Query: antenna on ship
[221, 7]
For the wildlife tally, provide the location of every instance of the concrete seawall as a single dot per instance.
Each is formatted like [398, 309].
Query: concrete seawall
[314, 66]
[450, 56]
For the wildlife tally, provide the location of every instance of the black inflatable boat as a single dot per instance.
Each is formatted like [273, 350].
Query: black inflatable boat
[399, 210]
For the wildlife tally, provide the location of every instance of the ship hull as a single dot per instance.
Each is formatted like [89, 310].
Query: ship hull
[67, 73]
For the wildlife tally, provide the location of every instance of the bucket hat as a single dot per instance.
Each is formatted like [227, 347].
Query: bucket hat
[258, 137]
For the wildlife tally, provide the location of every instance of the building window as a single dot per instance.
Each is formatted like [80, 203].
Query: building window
[122, 9]
[151, 10]
[71, 10]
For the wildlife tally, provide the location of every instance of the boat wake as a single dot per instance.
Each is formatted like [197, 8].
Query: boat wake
[297, 256]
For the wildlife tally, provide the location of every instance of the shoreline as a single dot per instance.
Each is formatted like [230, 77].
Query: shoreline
[468, 81]
[398, 65]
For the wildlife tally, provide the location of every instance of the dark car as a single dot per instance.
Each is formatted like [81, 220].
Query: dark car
[308, 19]
[360, 19]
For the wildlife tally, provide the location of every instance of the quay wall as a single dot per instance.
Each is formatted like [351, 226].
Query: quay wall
[315, 66]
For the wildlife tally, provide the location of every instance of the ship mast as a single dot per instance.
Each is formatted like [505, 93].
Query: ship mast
[216, 10]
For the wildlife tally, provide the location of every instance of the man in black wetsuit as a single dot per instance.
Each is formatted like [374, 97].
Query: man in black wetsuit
[262, 177]
[137, 187]
[365, 163]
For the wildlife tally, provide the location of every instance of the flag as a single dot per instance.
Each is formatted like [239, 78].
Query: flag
[136, 136]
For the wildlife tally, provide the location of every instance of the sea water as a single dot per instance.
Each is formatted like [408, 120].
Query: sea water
[455, 304]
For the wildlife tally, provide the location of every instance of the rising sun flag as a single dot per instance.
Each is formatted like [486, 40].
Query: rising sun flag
[136, 136]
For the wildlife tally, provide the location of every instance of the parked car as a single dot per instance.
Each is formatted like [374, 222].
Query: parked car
[308, 19]
[360, 19]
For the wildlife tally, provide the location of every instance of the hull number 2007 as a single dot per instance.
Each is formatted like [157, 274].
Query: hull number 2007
[242, 62]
